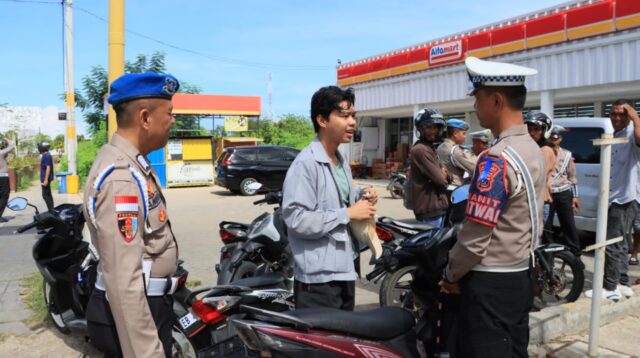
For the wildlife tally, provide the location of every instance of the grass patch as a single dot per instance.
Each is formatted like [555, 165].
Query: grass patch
[193, 283]
[32, 297]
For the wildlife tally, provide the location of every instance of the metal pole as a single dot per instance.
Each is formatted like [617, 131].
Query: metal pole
[601, 233]
[71, 139]
[116, 52]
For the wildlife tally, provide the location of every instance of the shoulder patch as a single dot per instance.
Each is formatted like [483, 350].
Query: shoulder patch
[127, 216]
[488, 192]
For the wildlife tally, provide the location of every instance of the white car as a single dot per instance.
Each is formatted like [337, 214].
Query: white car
[579, 140]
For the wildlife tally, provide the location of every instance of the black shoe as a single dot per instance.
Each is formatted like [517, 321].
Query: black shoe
[3, 220]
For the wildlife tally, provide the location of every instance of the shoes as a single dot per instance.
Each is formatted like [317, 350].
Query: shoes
[633, 261]
[614, 295]
[626, 291]
[3, 220]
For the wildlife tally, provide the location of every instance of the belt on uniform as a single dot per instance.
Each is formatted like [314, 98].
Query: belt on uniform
[155, 286]
[519, 267]
[560, 189]
[2, 175]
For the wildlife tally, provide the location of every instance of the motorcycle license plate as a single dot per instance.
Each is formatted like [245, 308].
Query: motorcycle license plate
[187, 320]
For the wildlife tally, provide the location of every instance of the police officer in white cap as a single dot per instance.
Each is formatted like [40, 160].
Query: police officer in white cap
[480, 141]
[490, 263]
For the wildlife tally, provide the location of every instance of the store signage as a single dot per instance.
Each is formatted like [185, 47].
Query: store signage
[236, 124]
[449, 51]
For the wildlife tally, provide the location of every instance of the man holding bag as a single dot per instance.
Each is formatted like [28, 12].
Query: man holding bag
[319, 203]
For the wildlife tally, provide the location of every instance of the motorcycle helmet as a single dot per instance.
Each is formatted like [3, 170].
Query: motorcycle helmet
[3, 143]
[539, 118]
[43, 146]
[426, 117]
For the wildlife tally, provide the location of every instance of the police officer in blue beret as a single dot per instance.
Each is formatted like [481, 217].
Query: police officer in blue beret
[459, 162]
[130, 311]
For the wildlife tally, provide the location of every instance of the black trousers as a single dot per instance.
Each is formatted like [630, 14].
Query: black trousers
[563, 206]
[332, 294]
[494, 314]
[4, 193]
[102, 327]
[46, 195]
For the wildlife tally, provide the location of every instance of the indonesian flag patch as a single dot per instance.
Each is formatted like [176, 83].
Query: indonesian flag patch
[127, 216]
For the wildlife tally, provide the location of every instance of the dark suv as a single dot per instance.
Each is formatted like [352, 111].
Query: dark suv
[238, 167]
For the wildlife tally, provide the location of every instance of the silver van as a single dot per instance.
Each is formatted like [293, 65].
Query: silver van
[578, 139]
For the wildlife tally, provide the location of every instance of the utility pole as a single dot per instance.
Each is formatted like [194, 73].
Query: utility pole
[116, 52]
[70, 138]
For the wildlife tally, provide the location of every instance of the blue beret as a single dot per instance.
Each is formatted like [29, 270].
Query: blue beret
[142, 85]
[457, 123]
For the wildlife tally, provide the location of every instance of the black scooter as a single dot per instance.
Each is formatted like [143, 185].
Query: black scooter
[68, 265]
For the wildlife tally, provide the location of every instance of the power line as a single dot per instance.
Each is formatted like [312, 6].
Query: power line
[216, 58]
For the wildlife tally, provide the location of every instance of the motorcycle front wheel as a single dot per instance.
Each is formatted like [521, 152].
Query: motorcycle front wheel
[564, 284]
[395, 289]
[396, 189]
[52, 309]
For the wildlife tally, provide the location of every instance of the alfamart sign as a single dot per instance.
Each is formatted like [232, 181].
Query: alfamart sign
[446, 52]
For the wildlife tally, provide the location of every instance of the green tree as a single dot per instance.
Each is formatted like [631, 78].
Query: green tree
[290, 130]
[58, 142]
[95, 86]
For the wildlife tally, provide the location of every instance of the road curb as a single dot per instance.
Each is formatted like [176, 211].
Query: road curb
[572, 318]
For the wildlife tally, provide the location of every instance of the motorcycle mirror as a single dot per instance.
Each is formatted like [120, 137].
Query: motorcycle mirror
[17, 204]
[254, 186]
[460, 194]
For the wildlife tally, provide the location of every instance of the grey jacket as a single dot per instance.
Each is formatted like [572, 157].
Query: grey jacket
[316, 218]
[3, 157]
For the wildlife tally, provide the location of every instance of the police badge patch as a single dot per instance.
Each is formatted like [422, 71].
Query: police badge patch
[127, 216]
[488, 191]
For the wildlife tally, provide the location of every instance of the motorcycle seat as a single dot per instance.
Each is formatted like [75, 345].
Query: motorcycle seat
[270, 279]
[381, 323]
[411, 225]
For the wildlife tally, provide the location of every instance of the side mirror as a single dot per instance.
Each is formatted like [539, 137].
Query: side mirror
[460, 194]
[17, 204]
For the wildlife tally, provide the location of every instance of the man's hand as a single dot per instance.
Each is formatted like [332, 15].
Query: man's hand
[370, 194]
[448, 287]
[361, 210]
[576, 205]
[445, 174]
[45, 183]
[631, 112]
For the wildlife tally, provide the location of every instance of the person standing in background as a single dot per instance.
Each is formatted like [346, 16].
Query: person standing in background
[46, 173]
[6, 146]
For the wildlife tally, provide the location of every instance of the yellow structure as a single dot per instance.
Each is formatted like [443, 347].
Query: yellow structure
[73, 184]
[189, 161]
[116, 52]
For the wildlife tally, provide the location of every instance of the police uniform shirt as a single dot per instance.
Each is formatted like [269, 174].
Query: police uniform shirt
[497, 235]
[122, 190]
[563, 177]
[457, 161]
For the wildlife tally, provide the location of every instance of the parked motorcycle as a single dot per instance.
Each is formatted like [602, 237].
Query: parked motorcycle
[382, 332]
[68, 265]
[263, 249]
[396, 185]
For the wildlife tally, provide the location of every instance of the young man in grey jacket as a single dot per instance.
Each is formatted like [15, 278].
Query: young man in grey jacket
[319, 201]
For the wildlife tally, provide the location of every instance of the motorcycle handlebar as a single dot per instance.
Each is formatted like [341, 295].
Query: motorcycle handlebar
[22, 229]
[375, 273]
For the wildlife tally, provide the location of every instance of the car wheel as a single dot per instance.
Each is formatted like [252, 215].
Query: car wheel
[244, 187]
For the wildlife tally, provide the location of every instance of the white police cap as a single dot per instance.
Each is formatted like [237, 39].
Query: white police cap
[491, 73]
[483, 135]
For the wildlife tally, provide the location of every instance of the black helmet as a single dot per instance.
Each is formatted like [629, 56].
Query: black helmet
[428, 116]
[540, 119]
[43, 146]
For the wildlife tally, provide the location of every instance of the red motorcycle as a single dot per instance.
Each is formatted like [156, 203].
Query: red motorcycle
[386, 332]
